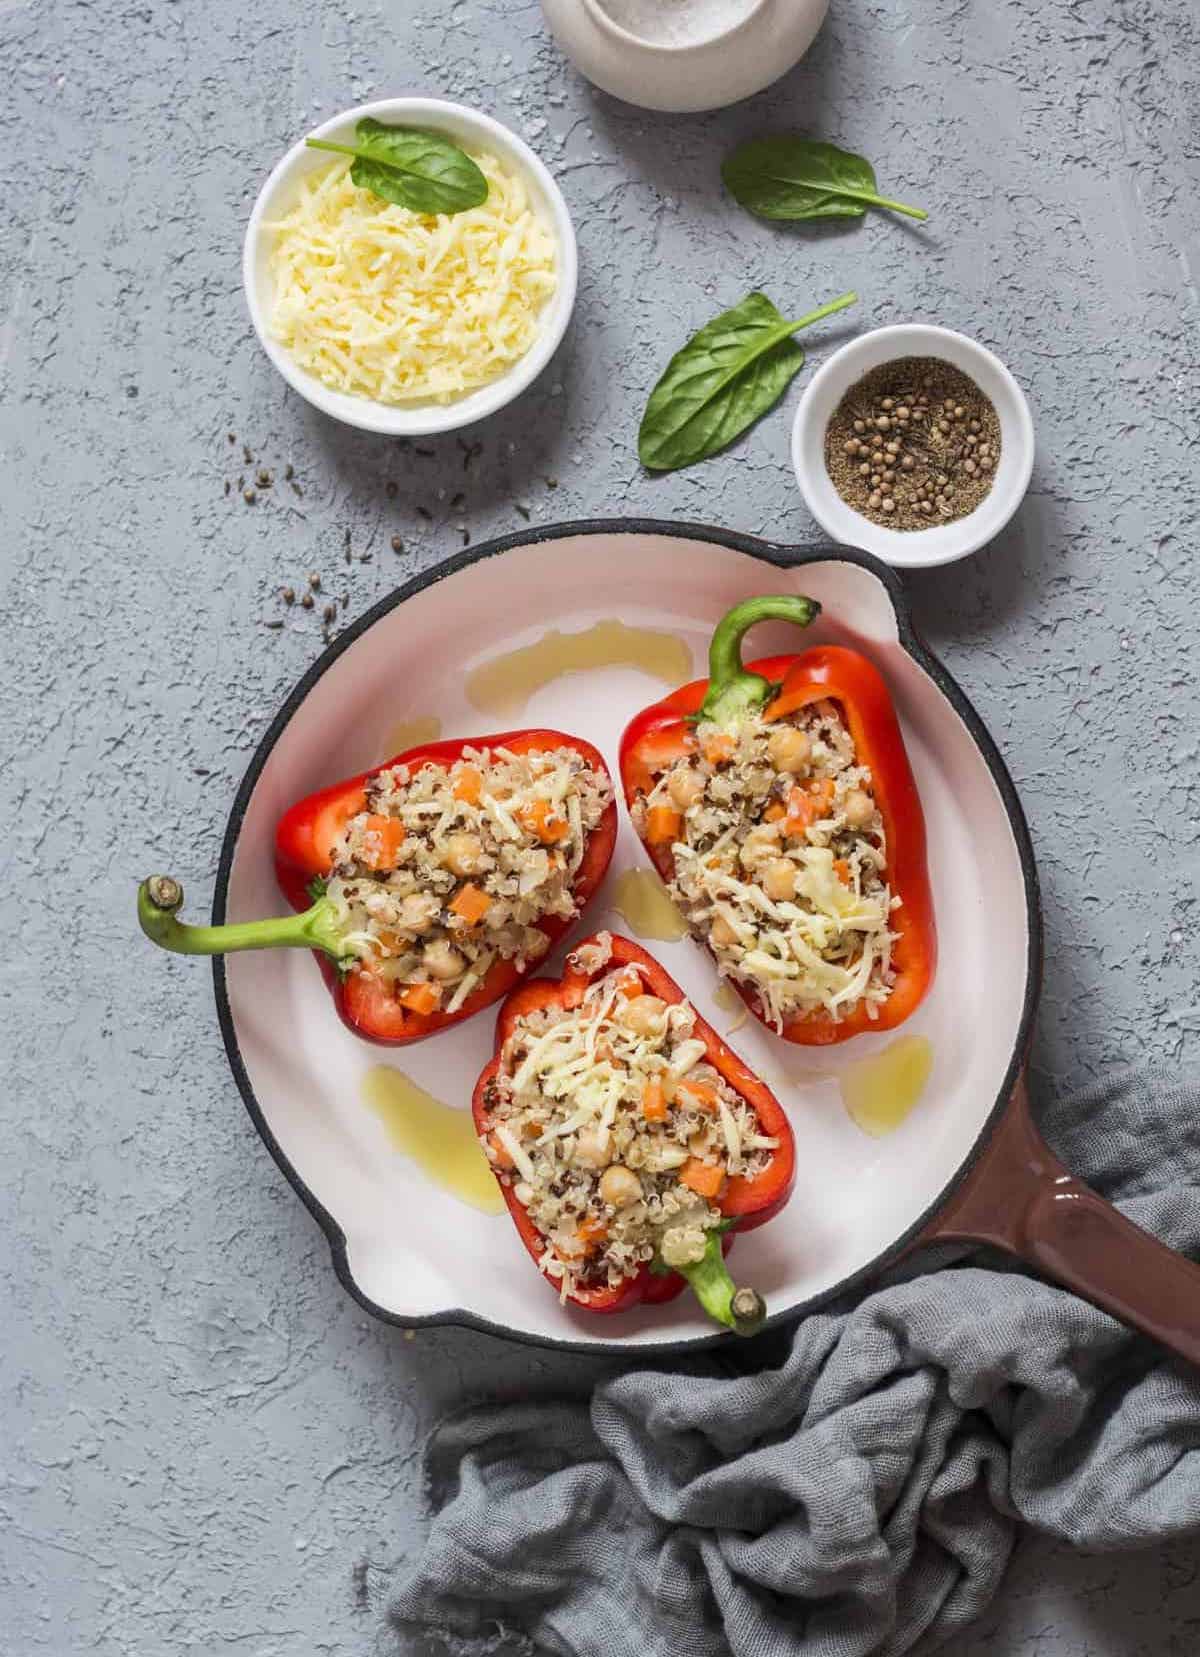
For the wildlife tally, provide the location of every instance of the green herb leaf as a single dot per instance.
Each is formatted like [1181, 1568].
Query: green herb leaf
[724, 379]
[423, 171]
[802, 178]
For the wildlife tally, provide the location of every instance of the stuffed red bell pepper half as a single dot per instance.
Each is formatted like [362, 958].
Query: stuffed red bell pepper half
[430, 884]
[629, 1141]
[778, 804]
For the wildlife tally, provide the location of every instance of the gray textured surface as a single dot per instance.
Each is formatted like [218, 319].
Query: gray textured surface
[206, 1447]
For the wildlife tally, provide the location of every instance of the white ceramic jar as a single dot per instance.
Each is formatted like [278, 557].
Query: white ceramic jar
[755, 49]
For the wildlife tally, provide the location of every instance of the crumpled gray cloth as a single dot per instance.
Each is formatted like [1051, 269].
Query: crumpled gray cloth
[852, 1487]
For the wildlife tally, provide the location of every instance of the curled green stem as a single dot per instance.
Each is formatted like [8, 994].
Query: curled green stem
[160, 898]
[731, 690]
[742, 1310]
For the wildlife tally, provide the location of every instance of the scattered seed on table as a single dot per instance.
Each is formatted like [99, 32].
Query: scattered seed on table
[466, 534]
[397, 544]
[289, 471]
[232, 437]
[551, 483]
[274, 626]
[247, 456]
[314, 581]
[520, 508]
[249, 496]
[366, 557]
[307, 601]
[424, 512]
[264, 479]
[425, 454]
[289, 595]
[227, 486]
[329, 613]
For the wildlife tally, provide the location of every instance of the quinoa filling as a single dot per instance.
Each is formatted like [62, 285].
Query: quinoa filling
[780, 861]
[615, 1133]
[451, 867]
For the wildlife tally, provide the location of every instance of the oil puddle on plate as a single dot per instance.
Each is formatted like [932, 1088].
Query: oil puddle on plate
[729, 1001]
[879, 1093]
[411, 733]
[441, 1141]
[503, 686]
[641, 900]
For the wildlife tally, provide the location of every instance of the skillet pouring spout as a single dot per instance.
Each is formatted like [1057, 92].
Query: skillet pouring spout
[1020, 1198]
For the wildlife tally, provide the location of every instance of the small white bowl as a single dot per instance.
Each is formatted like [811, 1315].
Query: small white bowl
[418, 418]
[942, 543]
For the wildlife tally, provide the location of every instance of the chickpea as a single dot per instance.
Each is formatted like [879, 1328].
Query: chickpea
[762, 841]
[463, 854]
[417, 913]
[685, 788]
[642, 1014]
[441, 960]
[858, 808]
[788, 749]
[592, 1147]
[722, 934]
[779, 879]
[620, 1186]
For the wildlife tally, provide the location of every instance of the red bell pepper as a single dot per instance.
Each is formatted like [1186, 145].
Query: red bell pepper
[775, 687]
[304, 843]
[745, 1203]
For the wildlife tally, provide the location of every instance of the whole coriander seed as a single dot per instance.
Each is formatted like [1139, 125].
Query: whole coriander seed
[307, 601]
[289, 595]
[329, 612]
[249, 496]
[397, 544]
[314, 581]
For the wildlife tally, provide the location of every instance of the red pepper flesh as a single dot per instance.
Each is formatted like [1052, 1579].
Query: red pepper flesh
[746, 1202]
[665, 732]
[304, 850]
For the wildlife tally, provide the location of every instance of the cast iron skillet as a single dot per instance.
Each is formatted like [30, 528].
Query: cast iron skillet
[981, 1173]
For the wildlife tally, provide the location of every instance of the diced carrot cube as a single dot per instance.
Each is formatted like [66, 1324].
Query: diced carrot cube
[382, 840]
[541, 819]
[420, 998]
[468, 784]
[663, 824]
[704, 1178]
[841, 869]
[697, 1096]
[592, 1232]
[471, 904]
[501, 1155]
[631, 984]
[774, 812]
[654, 1101]
[719, 747]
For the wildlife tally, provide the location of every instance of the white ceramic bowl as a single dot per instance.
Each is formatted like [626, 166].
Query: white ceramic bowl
[466, 126]
[942, 543]
[706, 74]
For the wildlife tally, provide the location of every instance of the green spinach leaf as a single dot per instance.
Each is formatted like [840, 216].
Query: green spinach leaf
[423, 171]
[802, 178]
[729, 374]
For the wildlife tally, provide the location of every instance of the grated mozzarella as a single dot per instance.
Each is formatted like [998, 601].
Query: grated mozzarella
[381, 302]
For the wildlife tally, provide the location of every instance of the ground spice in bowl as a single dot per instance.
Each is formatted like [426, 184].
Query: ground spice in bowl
[913, 444]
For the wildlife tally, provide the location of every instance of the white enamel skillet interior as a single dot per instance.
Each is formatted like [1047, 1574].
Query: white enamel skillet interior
[406, 1248]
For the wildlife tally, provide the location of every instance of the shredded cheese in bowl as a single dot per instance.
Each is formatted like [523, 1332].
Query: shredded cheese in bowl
[383, 303]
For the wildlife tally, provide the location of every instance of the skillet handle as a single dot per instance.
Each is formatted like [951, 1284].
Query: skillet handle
[1020, 1198]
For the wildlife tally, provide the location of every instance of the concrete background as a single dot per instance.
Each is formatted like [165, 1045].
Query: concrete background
[206, 1447]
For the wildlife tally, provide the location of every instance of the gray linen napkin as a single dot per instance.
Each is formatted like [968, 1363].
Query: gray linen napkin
[852, 1487]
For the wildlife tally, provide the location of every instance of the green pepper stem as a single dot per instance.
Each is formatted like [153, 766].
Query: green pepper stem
[731, 690]
[741, 1310]
[160, 898]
